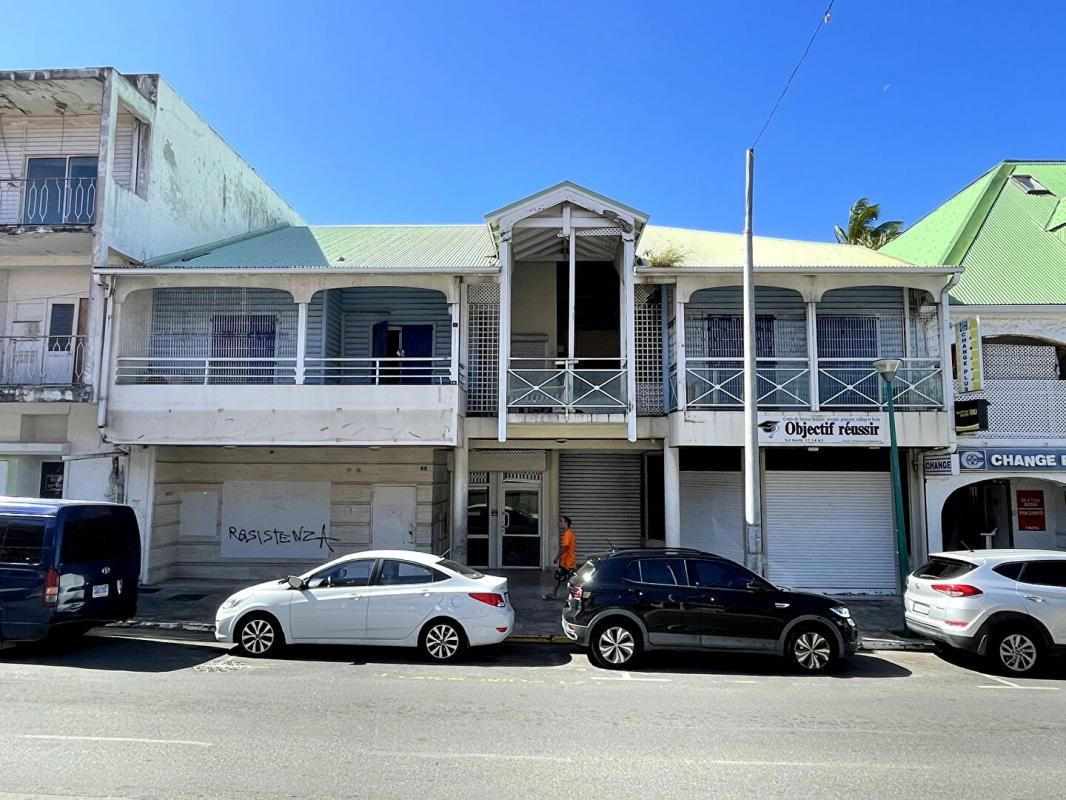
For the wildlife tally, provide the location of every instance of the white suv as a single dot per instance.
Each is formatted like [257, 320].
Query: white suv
[1007, 605]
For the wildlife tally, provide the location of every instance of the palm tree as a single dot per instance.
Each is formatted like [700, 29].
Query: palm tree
[862, 229]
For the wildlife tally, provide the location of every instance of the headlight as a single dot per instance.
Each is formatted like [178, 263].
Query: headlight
[231, 602]
[841, 611]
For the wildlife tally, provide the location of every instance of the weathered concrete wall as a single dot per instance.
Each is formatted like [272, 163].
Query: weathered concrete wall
[178, 551]
[199, 190]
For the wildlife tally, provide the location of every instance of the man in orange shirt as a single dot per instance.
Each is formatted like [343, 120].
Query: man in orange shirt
[566, 558]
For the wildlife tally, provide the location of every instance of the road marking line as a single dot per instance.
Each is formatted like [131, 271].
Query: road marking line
[1024, 688]
[58, 738]
[1005, 682]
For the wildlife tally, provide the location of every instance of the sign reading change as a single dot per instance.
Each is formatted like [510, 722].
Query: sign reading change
[815, 429]
[276, 520]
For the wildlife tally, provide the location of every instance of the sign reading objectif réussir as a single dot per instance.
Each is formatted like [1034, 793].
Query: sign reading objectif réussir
[1002, 459]
[816, 429]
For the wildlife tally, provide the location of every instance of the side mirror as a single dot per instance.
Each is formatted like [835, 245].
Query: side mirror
[756, 586]
[296, 582]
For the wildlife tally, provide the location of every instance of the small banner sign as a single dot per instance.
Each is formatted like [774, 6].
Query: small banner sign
[969, 365]
[971, 415]
[1031, 513]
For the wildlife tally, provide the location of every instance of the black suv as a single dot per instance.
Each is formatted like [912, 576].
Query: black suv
[625, 602]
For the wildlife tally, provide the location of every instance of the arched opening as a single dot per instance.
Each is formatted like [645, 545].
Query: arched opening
[379, 335]
[207, 335]
[998, 513]
[714, 346]
[860, 324]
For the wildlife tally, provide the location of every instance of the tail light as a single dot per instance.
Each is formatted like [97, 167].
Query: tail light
[956, 589]
[51, 588]
[489, 599]
[577, 592]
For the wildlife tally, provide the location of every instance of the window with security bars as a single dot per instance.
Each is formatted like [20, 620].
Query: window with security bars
[849, 342]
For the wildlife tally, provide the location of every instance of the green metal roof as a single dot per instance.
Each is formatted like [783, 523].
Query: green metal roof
[1011, 243]
[401, 248]
[464, 248]
[710, 249]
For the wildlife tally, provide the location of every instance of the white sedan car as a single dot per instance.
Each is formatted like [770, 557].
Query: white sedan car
[397, 598]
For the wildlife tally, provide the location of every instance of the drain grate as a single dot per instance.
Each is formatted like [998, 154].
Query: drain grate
[187, 598]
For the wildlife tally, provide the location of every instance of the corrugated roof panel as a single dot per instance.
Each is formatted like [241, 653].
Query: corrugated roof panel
[711, 249]
[371, 247]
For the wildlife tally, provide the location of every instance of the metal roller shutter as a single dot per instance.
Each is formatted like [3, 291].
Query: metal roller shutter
[831, 531]
[600, 492]
[712, 513]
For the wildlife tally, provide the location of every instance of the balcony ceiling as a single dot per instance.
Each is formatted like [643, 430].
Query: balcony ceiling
[45, 96]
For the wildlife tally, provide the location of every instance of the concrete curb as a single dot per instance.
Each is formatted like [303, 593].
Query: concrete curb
[910, 645]
[868, 643]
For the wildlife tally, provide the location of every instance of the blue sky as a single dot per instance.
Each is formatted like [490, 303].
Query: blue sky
[434, 111]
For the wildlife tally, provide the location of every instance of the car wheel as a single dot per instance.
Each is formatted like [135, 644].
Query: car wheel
[259, 636]
[811, 650]
[616, 645]
[1015, 651]
[442, 641]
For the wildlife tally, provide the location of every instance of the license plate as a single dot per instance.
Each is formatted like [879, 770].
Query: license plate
[920, 608]
[101, 590]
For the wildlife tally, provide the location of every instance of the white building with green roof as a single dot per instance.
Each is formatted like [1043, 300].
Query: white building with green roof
[1004, 486]
[457, 387]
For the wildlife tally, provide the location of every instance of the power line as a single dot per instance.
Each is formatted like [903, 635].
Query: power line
[821, 24]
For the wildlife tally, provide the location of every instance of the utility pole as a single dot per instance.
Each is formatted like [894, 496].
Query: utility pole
[753, 539]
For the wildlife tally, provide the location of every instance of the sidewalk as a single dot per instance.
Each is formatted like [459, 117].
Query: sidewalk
[191, 605]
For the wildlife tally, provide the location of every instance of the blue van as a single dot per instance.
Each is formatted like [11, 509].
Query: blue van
[67, 564]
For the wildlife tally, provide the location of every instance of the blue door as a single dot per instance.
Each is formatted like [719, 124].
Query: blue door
[417, 343]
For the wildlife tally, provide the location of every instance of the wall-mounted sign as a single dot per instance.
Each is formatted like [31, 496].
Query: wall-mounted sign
[1031, 514]
[969, 366]
[818, 429]
[971, 415]
[276, 520]
[1004, 459]
[941, 465]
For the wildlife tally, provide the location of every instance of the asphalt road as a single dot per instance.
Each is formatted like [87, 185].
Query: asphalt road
[144, 717]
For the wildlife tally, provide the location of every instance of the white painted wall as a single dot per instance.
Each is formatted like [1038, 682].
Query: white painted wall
[533, 309]
[183, 472]
[199, 189]
[1054, 534]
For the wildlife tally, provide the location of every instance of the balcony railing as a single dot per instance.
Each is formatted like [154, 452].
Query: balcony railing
[854, 383]
[47, 201]
[42, 360]
[564, 386]
[719, 382]
[785, 383]
[1024, 409]
[255, 370]
[379, 371]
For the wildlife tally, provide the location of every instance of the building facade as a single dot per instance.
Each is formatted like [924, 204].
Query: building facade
[302, 392]
[97, 169]
[1004, 484]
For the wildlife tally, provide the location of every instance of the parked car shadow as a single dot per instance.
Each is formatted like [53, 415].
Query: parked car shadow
[860, 665]
[500, 655]
[1054, 667]
[112, 653]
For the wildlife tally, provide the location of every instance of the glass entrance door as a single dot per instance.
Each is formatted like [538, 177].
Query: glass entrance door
[504, 523]
[520, 528]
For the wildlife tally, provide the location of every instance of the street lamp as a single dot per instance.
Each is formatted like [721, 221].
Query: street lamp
[887, 369]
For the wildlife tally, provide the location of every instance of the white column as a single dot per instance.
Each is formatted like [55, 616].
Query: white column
[140, 491]
[460, 491]
[672, 494]
[301, 341]
[947, 337]
[682, 362]
[630, 333]
[812, 351]
[504, 344]
[453, 310]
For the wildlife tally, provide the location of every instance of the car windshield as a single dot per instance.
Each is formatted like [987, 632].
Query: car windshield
[462, 569]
